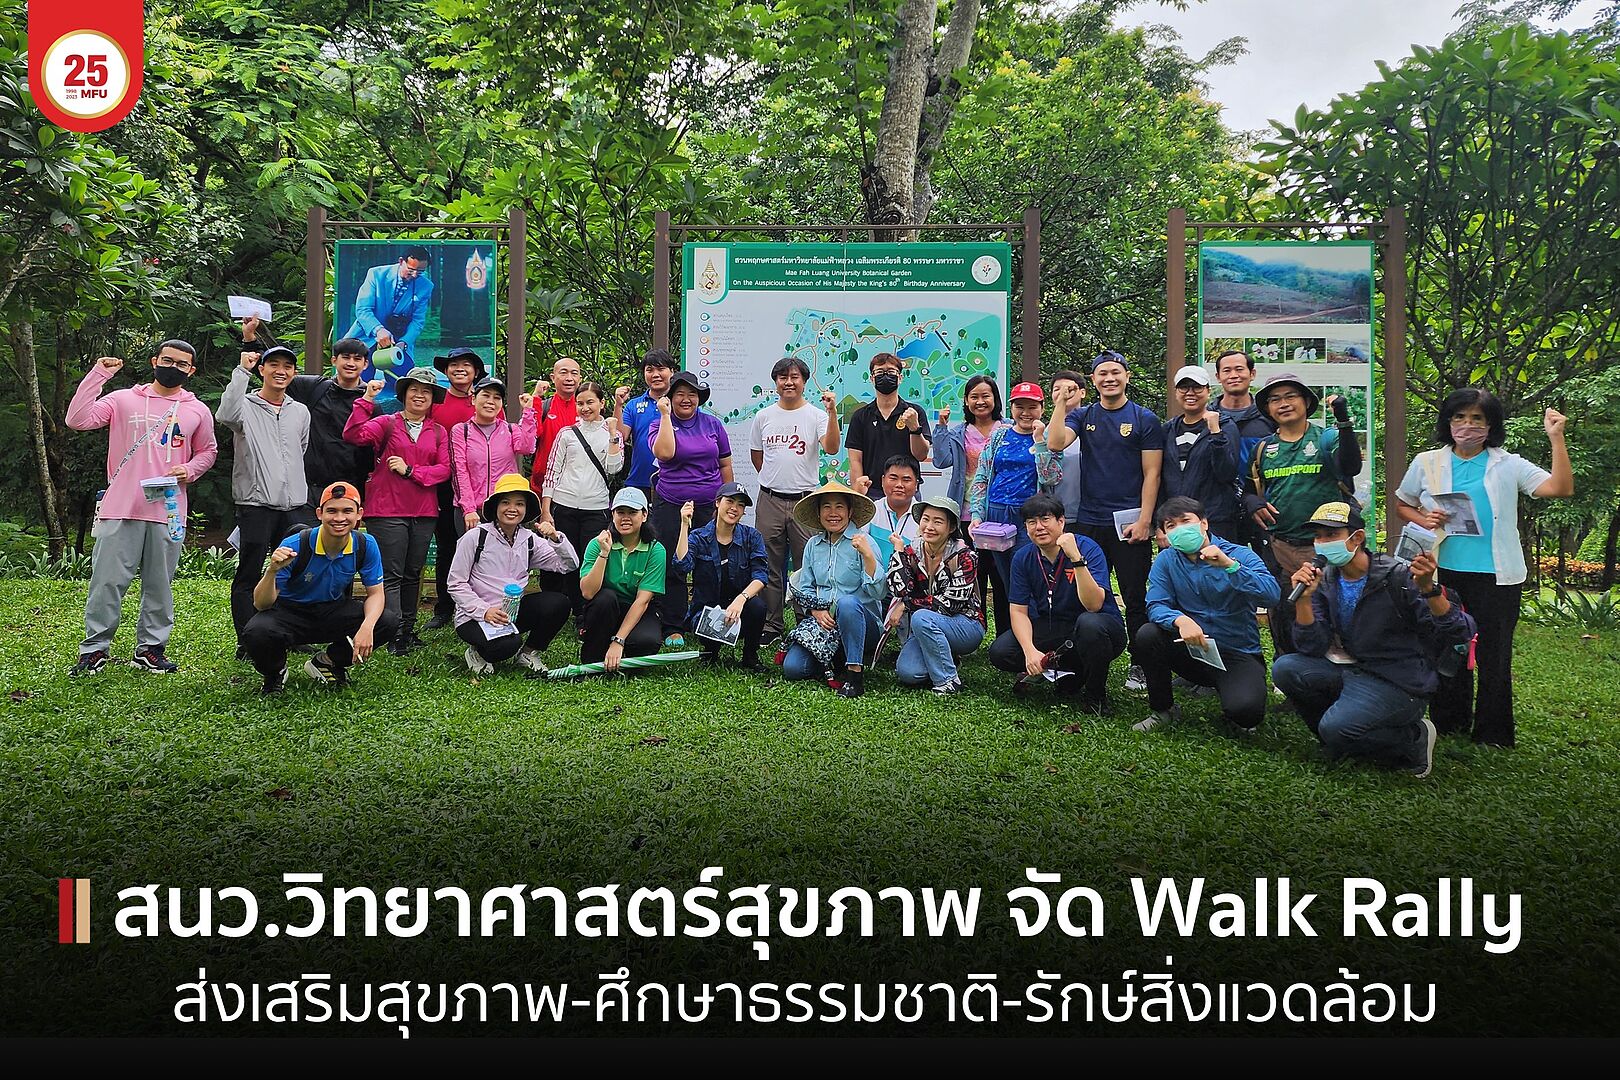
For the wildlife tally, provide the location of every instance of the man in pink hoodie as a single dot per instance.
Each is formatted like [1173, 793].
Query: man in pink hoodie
[154, 430]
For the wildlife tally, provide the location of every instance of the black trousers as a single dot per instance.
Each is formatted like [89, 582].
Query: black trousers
[260, 529]
[1098, 639]
[540, 615]
[446, 532]
[1242, 686]
[992, 590]
[1130, 564]
[603, 614]
[753, 627]
[403, 544]
[666, 519]
[580, 526]
[1454, 708]
[270, 635]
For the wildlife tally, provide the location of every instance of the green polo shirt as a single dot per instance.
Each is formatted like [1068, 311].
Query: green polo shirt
[629, 572]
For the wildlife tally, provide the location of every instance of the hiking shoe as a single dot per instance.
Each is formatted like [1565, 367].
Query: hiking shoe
[151, 658]
[530, 659]
[477, 664]
[93, 663]
[1429, 737]
[275, 684]
[1135, 679]
[320, 668]
[1158, 718]
[400, 646]
[438, 622]
[241, 652]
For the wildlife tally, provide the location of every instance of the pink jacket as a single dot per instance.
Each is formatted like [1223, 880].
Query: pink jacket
[478, 460]
[131, 413]
[389, 494]
[481, 586]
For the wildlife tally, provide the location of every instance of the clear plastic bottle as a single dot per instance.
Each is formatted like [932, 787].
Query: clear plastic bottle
[514, 598]
[177, 520]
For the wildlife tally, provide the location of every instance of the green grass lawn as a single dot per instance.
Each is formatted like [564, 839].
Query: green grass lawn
[421, 775]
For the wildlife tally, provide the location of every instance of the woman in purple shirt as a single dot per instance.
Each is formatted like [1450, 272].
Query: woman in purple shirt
[694, 459]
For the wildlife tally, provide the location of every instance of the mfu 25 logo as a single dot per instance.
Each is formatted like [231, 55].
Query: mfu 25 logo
[85, 61]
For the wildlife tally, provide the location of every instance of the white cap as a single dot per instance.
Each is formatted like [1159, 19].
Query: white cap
[1192, 373]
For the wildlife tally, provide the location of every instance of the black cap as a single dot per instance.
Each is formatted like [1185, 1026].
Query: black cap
[686, 378]
[279, 352]
[1109, 356]
[470, 356]
[490, 383]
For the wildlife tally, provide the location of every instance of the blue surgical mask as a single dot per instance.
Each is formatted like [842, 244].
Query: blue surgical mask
[1336, 552]
[1186, 539]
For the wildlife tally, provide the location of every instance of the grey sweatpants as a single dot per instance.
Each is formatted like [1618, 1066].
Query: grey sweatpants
[124, 549]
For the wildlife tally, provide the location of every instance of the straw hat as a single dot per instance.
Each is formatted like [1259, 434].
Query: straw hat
[505, 486]
[807, 511]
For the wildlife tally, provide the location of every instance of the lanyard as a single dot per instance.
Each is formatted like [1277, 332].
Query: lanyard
[1052, 578]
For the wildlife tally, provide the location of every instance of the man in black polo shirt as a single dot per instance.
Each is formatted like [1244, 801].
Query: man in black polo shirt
[884, 428]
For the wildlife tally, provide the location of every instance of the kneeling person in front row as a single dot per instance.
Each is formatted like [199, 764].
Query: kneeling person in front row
[1060, 603]
[726, 562]
[1202, 593]
[490, 571]
[305, 597]
[1391, 621]
[623, 570]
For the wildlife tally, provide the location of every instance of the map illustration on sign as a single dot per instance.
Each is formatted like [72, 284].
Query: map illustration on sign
[942, 308]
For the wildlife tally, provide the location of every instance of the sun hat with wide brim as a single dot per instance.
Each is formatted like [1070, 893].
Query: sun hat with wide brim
[686, 378]
[807, 511]
[506, 485]
[1263, 397]
[479, 370]
[943, 503]
[422, 375]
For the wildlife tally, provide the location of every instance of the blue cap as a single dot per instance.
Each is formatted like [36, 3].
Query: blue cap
[629, 498]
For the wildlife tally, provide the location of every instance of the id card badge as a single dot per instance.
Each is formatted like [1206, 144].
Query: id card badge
[95, 517]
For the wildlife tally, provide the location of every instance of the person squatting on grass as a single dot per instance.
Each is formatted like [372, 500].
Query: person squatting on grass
[935, 588]
[305, 597]
[1063, 615]
[413, 458]
[728, 567]
[1203, 591]
[836, 593]
[621, 574]
[497, 556]
[270, 433]
[1395, 626]
[154, 430]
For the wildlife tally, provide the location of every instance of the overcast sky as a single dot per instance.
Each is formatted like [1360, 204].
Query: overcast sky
[1307, 51]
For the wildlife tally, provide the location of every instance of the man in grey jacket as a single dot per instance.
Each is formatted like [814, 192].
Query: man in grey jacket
[267, 473]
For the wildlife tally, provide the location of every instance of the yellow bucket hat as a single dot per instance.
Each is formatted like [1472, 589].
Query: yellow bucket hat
[505, 486]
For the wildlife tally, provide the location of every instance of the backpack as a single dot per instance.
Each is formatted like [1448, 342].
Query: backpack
[1259, 481]
[1446, 660]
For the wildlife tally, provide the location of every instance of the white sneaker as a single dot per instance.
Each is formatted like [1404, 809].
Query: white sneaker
[477, 664]
[1430, 737]
[1158, 718]
[530, 658]
[1135, 679]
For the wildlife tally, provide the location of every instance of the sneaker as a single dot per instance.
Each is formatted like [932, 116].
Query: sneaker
[320, 668]
[530, 660]
[946, 689]
[709, 659]
[854, 684]
[241, 652]
[1135, 679]
[675, 641]
[477, 664]
[438, 622]
[151, 658]
[275, 684]
[1158, 718]
[90, 664]
[400, 646]
[1430, 736]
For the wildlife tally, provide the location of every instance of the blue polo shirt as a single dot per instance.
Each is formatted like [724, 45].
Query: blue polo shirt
[1111, 444]
[1031, 574]
[639, 415]
[330, 576]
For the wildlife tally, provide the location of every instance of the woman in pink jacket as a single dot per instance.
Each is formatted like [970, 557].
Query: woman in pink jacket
[486, 448]
[496, 556]
[402, 500]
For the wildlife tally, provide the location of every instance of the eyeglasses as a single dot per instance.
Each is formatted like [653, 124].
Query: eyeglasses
[182, 363]
[1287, 397]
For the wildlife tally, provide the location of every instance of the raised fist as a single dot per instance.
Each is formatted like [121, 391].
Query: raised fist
[111, 365]
[373, 388]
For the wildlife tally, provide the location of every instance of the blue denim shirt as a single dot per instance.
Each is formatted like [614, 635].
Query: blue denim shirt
[832, 568]
[1221, 603]
[745, 562]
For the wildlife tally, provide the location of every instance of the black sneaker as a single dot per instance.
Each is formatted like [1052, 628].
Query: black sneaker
[275, 684]
[709, 659]
[241, 652]
[400, 646]
[151, 658]
[854, 684]
[320, 668]
[438, 622]
[90, 664]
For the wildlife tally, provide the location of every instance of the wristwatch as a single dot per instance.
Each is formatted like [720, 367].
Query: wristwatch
[1080, 564]
[617, 640]
[1438, 589]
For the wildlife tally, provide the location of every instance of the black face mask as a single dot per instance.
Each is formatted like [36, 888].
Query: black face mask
[886, 382]
[169, 377]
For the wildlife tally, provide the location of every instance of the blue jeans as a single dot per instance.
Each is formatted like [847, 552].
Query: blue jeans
[856, 623]
[1353, 712]
[929, 658]
[1004, 513]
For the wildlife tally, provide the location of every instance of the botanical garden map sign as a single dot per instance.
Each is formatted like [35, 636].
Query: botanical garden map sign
[942, 308]
[1300, 306]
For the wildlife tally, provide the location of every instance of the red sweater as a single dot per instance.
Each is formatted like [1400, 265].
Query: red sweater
[560, 412]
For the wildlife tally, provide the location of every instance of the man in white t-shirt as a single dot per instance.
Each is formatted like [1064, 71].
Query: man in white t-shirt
[783, 443]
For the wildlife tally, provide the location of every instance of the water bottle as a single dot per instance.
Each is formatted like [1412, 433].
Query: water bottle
[514, 597]
[177, 520]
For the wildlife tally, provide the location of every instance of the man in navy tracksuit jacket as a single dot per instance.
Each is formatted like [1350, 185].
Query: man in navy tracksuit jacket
[1201, 455]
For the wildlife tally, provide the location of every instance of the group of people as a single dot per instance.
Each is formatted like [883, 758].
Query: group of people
[1048, 517]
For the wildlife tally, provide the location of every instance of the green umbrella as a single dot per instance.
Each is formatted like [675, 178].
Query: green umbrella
[657, 660]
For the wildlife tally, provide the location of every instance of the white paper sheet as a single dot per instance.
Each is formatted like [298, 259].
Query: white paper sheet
[244, 306]
[1124, 519]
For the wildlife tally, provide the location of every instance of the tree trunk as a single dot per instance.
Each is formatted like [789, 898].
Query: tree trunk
[939, 106]
[887, 180]
[1611, 547]
[55, 540]
[1563, 555]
